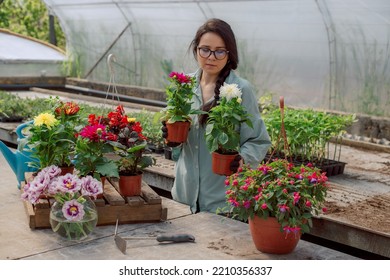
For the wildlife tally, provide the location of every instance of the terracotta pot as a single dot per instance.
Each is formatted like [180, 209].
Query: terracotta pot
[178, 131]
[130, 185]
[268, 238]
[67, 169]
[221, 163]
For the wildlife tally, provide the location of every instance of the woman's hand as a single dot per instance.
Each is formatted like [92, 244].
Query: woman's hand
[164, 130]
[236, 163]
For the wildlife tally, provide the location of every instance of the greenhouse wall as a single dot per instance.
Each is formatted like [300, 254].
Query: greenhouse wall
[331, 54]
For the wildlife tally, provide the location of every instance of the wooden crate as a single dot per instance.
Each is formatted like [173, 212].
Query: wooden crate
[137, 209]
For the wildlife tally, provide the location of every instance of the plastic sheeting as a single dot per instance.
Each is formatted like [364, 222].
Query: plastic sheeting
[24, 56]
[331, 54]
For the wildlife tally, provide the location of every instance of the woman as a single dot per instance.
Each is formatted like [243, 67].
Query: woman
[214, 48]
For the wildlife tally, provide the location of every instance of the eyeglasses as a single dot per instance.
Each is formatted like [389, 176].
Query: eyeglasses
[218, 54]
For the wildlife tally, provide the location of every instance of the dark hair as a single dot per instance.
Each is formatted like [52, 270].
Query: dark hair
[224, 30]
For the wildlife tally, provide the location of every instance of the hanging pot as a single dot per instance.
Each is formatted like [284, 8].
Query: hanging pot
[178, 131]
[130, 185]
[221, 163]
[268, 238]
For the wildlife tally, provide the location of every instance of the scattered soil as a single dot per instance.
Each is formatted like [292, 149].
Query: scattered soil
[365, 198]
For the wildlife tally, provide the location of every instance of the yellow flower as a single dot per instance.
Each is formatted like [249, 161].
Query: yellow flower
[45, 119]
[131, 120]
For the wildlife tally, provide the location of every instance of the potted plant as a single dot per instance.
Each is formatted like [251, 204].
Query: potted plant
[222, 128]
[92, 148]
[73, 215]
[309, 133]
[176, 116]
[51, 136]
[280, 193]
[130, 145]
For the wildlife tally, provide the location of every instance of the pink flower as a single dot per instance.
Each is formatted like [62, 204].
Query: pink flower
[73, 210]
[244, 187]
[296, 197]
[283, 208]
[52, 171]
[313, 178]
[95, 132]
[234, 202]
[68, 183]
[247, 204]
[264, 206]
[227, 182]
[91, 187]
[264, 168]
[180, 77]
[308, 203]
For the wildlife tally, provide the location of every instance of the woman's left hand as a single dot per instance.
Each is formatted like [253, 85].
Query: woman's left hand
[236, 163]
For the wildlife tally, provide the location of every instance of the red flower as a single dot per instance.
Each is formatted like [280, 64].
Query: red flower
[69, 108]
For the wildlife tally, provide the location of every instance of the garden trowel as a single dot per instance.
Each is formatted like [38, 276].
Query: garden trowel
[121, 242]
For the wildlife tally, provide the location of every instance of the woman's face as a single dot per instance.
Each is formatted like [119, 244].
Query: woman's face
[212, 42]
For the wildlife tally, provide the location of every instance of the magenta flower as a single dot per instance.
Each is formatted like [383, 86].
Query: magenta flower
[264, 168]
[247, 204]
[296, 197]
[233, 202]
[264, 206]
[73, 210]
[283, 208]
[94, 133]
[308, 203]
[180, 77]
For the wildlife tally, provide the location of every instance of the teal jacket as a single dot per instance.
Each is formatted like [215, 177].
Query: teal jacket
[194, 179]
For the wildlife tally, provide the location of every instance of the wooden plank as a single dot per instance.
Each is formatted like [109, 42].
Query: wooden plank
[99, 202]
[128, 214]
[134, 200]
[30, 214]
[149, 194]
[112, 207]
[112, 196]
[352, 235]
[42, 218]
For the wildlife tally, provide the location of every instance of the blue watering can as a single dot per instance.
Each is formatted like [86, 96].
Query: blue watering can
[19, 159]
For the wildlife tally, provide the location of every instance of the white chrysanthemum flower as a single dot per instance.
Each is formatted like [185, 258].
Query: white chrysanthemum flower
[230, 91]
